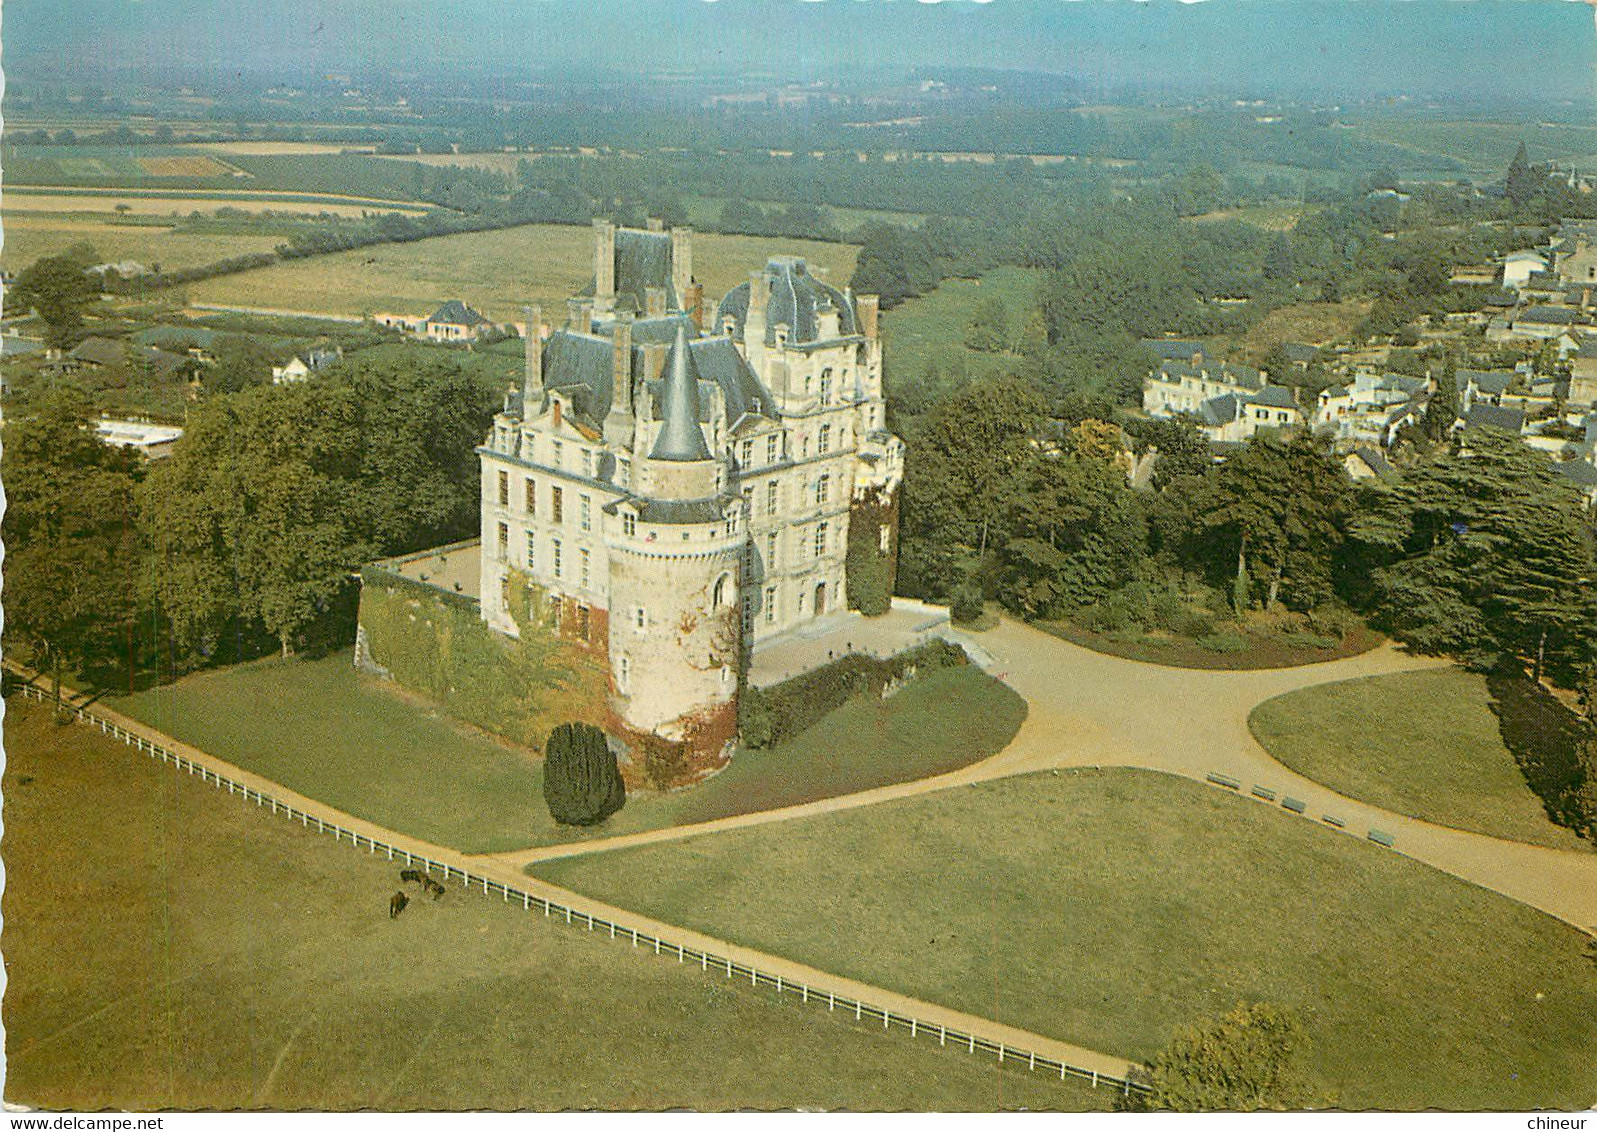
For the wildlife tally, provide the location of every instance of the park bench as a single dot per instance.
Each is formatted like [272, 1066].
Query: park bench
[1293, 804]
[1380, 837]
[1224, 780]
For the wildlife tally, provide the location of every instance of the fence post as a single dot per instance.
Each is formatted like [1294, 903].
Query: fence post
[942, 1035]
[1094, 1076]
[856, 1010]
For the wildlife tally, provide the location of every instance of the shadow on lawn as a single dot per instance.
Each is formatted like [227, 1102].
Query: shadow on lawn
[1545, 738]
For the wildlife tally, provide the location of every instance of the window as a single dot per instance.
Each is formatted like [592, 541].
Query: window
[638, 618]
[629, 524]
[804, 447]
[718, 595]
[873, 416]
[748, 453]
[504, 593]
[504, 489]
[748, 501]
[555, 545]
[624, 674]
[585, 562]
[504, 542]
[824, 444]
[583, 621]
[771, 449]
[820, 539]
[585, 512]
[826, 387]
[557, 508]
[532, 551]
[770, 604]
[587, 462]
[823, 490]
[770, 551]
[770, 498]
[555, 455]
[531, 495]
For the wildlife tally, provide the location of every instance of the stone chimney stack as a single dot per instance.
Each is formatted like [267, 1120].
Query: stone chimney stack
[654, 302]
[656, 224]
[653, 360]
[532, 345]
[682, 267]
[618, 423]
[867, 307]
[580, 313]
[693, 304]
[604, 265]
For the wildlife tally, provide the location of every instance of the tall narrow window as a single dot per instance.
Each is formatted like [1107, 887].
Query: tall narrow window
[824, 444]
[585, 561]
[770, 551]
[532, 551]
[770, 498]
[718, 596]
[587, 462]
[826, 387]
[555, 454]
[629, 524]
[770, 604]
[504, 489]
[555, 549]
[820, 539]
[823, 489]
[531, 497]
[504, 542]
[585, 512]
[747, 453]
[624, 675]
[557, 505]
[771, 449]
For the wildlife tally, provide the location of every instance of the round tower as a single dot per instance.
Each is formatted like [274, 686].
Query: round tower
[675, 638]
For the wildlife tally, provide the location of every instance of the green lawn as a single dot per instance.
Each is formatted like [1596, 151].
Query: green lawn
[1422, 743]
[932, 327]
[322, 729]
[1108, 907]
[167, 946]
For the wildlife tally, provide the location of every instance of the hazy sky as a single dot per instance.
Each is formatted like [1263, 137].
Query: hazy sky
[1512, 48]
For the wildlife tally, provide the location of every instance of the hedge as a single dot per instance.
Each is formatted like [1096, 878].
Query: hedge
[766, 716]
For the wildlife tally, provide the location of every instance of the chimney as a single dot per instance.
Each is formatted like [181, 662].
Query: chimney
[653, 360]
[532, 345]
[618, 423]
[682, 265]
[758, 292]
[654, 302]
[604, 265]
[867, 307]
[656, 224]
[693, 304]
[580, 312]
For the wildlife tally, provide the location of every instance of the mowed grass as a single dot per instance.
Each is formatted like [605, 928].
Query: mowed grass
[1425, 744]
[324, 730]
[496, 272]
[1109, 907]
[29, 236]
[169, 947]
[932, 327]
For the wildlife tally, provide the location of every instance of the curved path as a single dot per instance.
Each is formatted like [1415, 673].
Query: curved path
[1087, 708]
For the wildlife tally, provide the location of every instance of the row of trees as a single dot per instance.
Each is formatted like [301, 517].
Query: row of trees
[250, 531]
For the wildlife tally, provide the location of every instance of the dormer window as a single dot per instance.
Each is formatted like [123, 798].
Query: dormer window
[629, 524]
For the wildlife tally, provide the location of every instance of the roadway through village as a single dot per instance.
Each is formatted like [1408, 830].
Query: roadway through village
[1090, 709]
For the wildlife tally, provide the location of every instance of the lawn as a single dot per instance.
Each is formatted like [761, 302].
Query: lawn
[1108, 907]
[1428, 744]
[1247, 647]
[496, 272]
[30, 235]
[320, 728]
[168, 947]
[932, 327]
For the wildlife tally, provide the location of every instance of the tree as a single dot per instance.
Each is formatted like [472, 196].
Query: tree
[1441, 412]
[242, 360]
[581, 783]
[58, 288]
[1586, 793]
[1521, 183]
[1485, 554]
[70, 537]
[1252, 1059]
[988, 330]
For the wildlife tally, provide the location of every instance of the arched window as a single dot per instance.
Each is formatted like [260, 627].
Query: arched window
[718, 597]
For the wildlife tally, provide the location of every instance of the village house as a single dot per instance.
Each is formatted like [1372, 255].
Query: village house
[152, 441]
[1574, 252]
[296, 370]
[1583, 374]
[1371, 409]
[454, 321]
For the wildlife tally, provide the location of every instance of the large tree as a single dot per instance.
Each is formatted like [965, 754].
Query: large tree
[1486, 554]
[59, 289]
[1252, 1059]
[70, 537]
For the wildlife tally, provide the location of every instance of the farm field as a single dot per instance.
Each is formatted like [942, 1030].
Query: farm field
[1427, 744]
[167, 202]
[496, 272]
[1485, 146]
[1313, 323]
[322, 729]
[29, 236]
[1109, 907]
[932, 327]
[1270, 217]
[462, 1003]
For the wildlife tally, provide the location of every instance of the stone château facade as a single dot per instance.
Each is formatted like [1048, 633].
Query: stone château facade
[679, 488]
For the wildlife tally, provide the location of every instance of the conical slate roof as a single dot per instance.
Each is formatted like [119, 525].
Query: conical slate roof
[680, 437]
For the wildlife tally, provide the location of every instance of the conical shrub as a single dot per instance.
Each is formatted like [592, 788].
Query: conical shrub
[581, 782]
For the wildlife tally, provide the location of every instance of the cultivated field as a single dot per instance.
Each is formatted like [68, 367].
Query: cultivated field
[1307, 322]
[157, 202]
[1485, 146]
[1108, 907]
[167, 946]
[493, 271]
[31, 235]
[931, 328]
[1428, 744]
[361, 745]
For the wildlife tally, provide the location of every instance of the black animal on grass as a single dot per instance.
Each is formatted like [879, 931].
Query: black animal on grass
[413, 876]
[432, 886]
[397, 904]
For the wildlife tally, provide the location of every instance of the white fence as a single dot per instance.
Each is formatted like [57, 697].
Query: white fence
[707, 960]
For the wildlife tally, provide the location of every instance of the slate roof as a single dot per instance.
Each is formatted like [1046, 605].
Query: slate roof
[1275, 397]
[1374, 459]
[1494, 416]
[1300, 352]
[99, 351]
[1219, 410]
[1245, 376]
[797, 298]
[1579, 471]
[642, 260]
[1549, 316]
[680, 438]
[1174, 349]
[456, 313]
[1487, 381]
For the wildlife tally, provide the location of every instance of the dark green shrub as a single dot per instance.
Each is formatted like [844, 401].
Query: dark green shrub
[1224, 642]
[870, 587]
[1192, 623]
[581, 782]
[968, 605]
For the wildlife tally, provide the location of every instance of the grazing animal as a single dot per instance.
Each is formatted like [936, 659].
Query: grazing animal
[432, 886]
[413, 876]
[397, 904]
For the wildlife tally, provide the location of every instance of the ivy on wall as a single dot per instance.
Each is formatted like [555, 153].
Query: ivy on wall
[868, 568]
